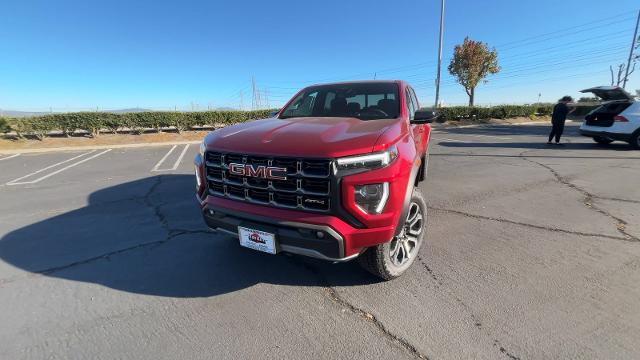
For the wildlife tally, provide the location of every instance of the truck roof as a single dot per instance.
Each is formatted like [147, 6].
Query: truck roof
[358, 82]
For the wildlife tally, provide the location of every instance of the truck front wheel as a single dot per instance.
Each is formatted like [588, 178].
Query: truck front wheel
[391, 259]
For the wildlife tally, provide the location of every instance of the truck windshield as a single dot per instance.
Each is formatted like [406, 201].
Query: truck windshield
[366, 101]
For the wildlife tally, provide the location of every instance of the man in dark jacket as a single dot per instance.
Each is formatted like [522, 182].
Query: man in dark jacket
[559, 116]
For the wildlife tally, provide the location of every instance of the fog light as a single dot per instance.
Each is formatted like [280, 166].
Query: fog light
[372, 198]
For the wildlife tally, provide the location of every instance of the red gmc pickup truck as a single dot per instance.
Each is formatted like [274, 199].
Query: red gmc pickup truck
[332, 175]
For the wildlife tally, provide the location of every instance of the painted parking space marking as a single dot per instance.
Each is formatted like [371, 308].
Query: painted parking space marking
[85, 159]
[50, 166]
[9, 157]
[157, 167]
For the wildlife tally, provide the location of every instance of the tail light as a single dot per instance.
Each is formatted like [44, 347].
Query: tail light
[620, 118]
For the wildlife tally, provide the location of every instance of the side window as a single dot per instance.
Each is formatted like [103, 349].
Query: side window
[301, 105]
[416, 105]
[410, 106]
[327, 101]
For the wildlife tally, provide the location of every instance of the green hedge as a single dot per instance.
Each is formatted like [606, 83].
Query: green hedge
[96, 122]
[455, 113]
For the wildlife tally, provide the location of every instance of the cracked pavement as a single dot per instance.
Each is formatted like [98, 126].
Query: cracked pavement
[532, 253]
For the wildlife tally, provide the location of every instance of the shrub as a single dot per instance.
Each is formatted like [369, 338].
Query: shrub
[582, 110]
[4, 125]
[38, 126]
[132, 122]
[455, 113]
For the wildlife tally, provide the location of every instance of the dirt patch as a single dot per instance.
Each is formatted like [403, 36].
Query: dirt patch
[102, 140]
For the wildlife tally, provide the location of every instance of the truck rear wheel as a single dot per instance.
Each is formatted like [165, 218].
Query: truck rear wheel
[391, 259]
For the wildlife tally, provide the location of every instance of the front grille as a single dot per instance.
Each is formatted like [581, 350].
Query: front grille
[307, 185]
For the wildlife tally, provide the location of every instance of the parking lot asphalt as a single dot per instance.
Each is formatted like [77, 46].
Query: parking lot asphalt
[532, 252]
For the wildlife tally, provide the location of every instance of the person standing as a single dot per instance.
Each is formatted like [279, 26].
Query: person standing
[559, 116]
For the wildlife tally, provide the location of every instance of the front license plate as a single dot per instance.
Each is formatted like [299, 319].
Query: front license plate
[257, 240]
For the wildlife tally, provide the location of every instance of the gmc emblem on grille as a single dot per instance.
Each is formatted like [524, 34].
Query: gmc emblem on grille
[261, 171]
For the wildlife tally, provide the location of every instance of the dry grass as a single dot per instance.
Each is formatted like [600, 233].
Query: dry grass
[104, 139]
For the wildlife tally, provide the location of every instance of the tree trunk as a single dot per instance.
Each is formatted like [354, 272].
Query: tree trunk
[472, 94]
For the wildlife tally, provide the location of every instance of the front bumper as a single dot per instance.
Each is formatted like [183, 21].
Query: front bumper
[324, 237]
[316, 241]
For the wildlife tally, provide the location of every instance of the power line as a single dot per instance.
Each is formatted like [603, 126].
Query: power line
[590, 24]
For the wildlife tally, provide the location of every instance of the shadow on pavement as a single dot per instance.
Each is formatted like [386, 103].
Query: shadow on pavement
[618, 146]
[542, 129]
[147, 237]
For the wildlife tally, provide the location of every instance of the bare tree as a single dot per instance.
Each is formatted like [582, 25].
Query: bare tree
[619, 77]
[621, 74]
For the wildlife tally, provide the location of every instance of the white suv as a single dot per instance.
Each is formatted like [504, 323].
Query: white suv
[618, 118]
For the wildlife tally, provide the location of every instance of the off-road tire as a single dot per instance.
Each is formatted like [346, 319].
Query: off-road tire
[602, 140]
[377, 259]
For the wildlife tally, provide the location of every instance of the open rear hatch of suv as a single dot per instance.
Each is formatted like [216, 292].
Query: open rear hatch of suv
[616, 101]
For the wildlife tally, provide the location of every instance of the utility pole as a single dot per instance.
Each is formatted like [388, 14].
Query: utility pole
[439, 54]
[241, 100]
[633, 45]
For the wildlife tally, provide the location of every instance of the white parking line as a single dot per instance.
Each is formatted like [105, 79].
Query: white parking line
[155, 168]
[184, 151]
[50, 166]
[18, 182]
[175, 164]
[10, 157]
[451, 140]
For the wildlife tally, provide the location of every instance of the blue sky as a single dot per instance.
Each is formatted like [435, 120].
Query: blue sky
[81, 55]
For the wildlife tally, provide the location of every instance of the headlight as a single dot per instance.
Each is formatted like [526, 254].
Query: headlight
[372, 198]
[203, 149]
[369, 161]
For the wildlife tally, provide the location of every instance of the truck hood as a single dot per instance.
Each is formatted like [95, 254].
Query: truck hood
[305, 137]
[609, 93]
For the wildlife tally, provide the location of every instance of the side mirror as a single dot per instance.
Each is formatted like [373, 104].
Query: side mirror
[424, 117]
[274, 113]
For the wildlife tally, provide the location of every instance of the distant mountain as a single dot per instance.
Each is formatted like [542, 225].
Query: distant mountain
[12, 113]
[130, 110]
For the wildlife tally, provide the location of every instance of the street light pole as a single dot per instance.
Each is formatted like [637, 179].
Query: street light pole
[439, 54]
[633, 45]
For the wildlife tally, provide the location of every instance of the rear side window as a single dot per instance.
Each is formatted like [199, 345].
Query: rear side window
[411, 108]
[416, 104]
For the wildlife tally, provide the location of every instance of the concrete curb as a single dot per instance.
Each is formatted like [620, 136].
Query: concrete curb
[92, 147]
